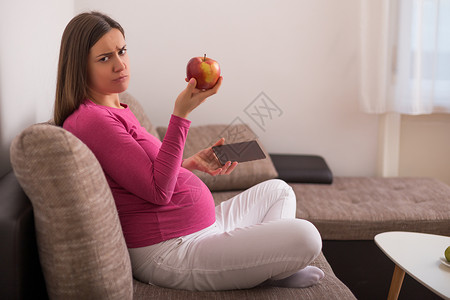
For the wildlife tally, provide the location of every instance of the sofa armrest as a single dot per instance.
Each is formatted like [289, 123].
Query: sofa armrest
[297, 168]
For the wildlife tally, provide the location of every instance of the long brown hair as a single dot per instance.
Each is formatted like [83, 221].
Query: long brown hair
[82, 32]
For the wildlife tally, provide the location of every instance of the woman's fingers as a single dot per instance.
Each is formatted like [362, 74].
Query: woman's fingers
[228, 168]
[198, 97]
[216, 87]
[207, 93]
[220, 142]
[225, 167]
[231, 168]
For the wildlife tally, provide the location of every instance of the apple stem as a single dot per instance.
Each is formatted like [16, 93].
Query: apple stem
[204, 57]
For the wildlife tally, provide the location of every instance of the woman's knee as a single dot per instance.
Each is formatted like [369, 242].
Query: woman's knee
[277, 185]
[306, 237]
[281, 200]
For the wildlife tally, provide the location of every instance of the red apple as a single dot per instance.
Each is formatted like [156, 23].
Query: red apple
[205, 70]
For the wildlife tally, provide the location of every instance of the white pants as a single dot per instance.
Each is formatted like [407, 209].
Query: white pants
[255, 237]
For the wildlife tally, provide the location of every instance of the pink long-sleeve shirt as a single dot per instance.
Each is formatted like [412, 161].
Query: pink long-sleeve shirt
[156, 198]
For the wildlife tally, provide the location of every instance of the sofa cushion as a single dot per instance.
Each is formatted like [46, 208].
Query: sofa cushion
[81, 246]
[302, 168]
[139, 112]
[329, 288]
[358, 208]
[246, 174]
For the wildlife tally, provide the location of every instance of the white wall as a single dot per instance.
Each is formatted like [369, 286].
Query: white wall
[30, 34]
[302, 54]
[425, 146]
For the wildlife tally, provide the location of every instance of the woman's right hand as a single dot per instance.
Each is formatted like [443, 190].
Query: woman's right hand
[192, 97]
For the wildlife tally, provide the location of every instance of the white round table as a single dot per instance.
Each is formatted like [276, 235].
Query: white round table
[419, 255]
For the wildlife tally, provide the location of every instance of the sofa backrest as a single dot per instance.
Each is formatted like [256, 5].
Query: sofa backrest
[81, 246]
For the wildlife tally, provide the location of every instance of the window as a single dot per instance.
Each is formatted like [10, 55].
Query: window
[409, 71]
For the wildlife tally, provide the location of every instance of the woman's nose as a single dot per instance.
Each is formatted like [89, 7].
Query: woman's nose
[119, 64]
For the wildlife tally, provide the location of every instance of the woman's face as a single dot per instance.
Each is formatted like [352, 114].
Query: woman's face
[108, 71]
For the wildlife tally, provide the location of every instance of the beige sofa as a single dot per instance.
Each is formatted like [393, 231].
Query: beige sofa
[83, 254]
[81, 248]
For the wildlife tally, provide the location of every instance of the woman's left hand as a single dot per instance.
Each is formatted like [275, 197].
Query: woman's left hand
[206, 161]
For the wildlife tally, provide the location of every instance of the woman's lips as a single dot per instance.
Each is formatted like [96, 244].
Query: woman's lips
[120, 79]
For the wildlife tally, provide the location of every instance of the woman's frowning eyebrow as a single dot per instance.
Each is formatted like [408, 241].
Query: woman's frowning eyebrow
[109, 53]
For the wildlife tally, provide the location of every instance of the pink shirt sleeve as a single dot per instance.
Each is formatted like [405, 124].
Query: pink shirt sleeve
[134, 164]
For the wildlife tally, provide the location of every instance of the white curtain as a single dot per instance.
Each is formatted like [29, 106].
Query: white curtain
[405, 56]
